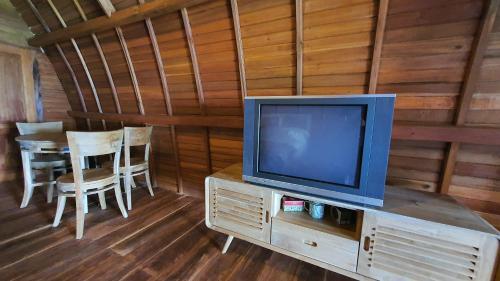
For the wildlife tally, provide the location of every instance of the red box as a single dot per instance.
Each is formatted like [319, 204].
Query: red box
[291, 204]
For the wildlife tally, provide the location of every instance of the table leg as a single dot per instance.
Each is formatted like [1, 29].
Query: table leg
[50, 190]
[28, 177]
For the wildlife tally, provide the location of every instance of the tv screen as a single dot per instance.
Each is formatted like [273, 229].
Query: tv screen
[315, 142]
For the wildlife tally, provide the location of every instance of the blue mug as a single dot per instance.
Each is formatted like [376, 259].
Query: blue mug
[315, 209]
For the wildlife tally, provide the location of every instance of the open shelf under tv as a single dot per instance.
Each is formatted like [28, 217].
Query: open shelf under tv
[325, 224]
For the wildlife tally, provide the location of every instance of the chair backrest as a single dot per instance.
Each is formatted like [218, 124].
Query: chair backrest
[43, 127]
[135, 136]
[94, 143]
[83, 144]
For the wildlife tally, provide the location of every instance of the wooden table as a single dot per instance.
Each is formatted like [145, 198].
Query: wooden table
[38, 143]
[45, 141]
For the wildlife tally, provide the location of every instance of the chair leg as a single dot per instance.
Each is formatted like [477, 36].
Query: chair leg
[50, 191]
[128, 191]
[119, 199]
[132, 182]
[61, 202]
[102, 200]
[85, 204]
[80, 215]
[28, 178]
[148, 182]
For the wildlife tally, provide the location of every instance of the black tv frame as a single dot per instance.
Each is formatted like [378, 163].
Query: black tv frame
[375, 149]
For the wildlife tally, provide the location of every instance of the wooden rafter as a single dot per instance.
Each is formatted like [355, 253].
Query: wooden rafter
[168, 103]
[472, 72]
[82, 61]
[131, 69]
[239, 48]
[194, 60]
[119, 18]
[299, 24]
[103, 60]
[377, 46]
[159, 64]
[65, 60]
[197, 77]
[107, 6]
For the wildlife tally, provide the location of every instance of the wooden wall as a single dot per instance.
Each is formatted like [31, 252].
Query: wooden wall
[17, 84]
[438, 56]
[54, 102]
[16, 100]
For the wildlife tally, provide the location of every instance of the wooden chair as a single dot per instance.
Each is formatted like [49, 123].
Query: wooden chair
[90, 181]
[134, 166]
[44, 159]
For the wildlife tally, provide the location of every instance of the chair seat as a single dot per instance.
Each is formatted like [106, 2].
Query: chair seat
[136, 164]
[93, 178]
[49, 161]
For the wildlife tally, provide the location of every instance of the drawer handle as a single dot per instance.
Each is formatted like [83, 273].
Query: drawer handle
[366, 244]
[267, 216]
[310, 243]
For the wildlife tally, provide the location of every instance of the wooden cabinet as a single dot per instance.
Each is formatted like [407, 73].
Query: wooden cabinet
[240, 209]
[414, 236]
[402, 248]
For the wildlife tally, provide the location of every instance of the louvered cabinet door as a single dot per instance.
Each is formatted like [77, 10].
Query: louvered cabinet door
[402, 248]
[241, 208]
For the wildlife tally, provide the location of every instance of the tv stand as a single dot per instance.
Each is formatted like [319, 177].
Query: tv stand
[414, 236]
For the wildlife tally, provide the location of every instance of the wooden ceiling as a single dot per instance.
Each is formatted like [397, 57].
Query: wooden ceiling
[185, 66]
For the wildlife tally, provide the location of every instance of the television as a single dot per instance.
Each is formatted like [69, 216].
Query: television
[336, 147]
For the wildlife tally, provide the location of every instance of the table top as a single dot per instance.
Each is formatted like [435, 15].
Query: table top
[52, 138]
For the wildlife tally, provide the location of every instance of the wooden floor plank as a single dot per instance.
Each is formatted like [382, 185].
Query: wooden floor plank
[164, 238]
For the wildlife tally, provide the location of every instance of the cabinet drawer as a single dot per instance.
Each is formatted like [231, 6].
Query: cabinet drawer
[324, 247]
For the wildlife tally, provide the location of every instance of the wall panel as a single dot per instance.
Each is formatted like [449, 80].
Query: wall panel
[213, 30]
[148, 78]
[112, 49]
[177, 63]
[338, 41]
[55, 102]
[425, 52]
[269, 46]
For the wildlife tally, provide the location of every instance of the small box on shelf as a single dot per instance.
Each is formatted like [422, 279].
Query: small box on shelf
[291, 204]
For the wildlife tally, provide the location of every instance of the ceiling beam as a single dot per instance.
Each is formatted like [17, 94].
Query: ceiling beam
[168, 102]
[239, 48]
[197, 78]
[377, 45]
[462, 134]
[472, 72]
[235, 122]
[82, 61]
[131, 69]
[194, 60]
[65, 60]
[129, 15]
[448, 133]
[103, 60]
[107, 7]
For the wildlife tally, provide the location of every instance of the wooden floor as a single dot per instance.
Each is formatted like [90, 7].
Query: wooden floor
[164, 238]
